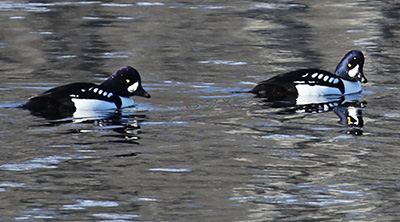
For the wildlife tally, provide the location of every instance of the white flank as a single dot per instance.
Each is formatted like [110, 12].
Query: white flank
[95, 104]
[317, 90]
[92, 104]
[354, 71]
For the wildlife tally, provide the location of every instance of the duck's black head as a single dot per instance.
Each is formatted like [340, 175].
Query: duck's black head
[351, 67]
[126, 82]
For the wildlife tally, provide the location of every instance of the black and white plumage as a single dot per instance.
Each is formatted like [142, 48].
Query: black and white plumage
[114, 93]
[316, 82]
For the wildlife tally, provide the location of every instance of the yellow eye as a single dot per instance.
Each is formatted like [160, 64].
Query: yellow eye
[349, 65]
[128, 81]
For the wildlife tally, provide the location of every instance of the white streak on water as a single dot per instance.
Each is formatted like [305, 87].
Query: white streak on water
[284, 136]
[83, 204]
[116, 5]
[145, 199]
[170, 170]
[149, 3]
[12, 184]
[114, 216]
[223, 62]
[48, 162]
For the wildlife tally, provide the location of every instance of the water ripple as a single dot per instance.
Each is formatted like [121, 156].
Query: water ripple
[170, 170]
[48, 162]
[83, 204]
[223, 62]
[116, 216]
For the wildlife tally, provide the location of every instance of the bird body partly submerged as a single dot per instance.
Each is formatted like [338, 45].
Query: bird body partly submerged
[114, 93]
[346, 80]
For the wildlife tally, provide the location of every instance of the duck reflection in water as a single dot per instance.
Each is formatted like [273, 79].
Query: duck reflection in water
[126, 127]
[351, 116]
[316, 90]
[119, 126]
[347, 107]
[101, 104]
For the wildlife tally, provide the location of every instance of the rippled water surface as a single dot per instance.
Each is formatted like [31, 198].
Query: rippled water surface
[198, 150]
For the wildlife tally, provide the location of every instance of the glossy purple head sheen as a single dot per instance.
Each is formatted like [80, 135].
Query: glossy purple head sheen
[126, 82]
[351, 67]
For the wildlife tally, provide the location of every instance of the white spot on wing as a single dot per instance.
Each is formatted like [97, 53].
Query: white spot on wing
[305, 75]
[105, 93]
[95, 90]
[335, 81]
[110, 95]
[326, 78]
[320, 76]
[100, 92]
[314, 75]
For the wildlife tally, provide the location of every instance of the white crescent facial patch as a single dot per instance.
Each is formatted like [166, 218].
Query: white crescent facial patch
[132, 88]
[354, 71]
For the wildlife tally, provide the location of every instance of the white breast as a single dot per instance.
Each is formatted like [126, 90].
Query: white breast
[127, 102]
[351, 87]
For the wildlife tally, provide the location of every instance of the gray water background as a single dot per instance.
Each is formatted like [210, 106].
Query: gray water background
[196, 151]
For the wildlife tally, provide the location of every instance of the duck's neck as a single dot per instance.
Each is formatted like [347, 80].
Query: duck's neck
[114, 86]
[342, 70]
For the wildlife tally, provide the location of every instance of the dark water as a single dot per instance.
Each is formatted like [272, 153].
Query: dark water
[196, 151]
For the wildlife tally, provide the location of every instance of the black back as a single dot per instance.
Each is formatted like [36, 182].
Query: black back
[285, 84]
[59, 98]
